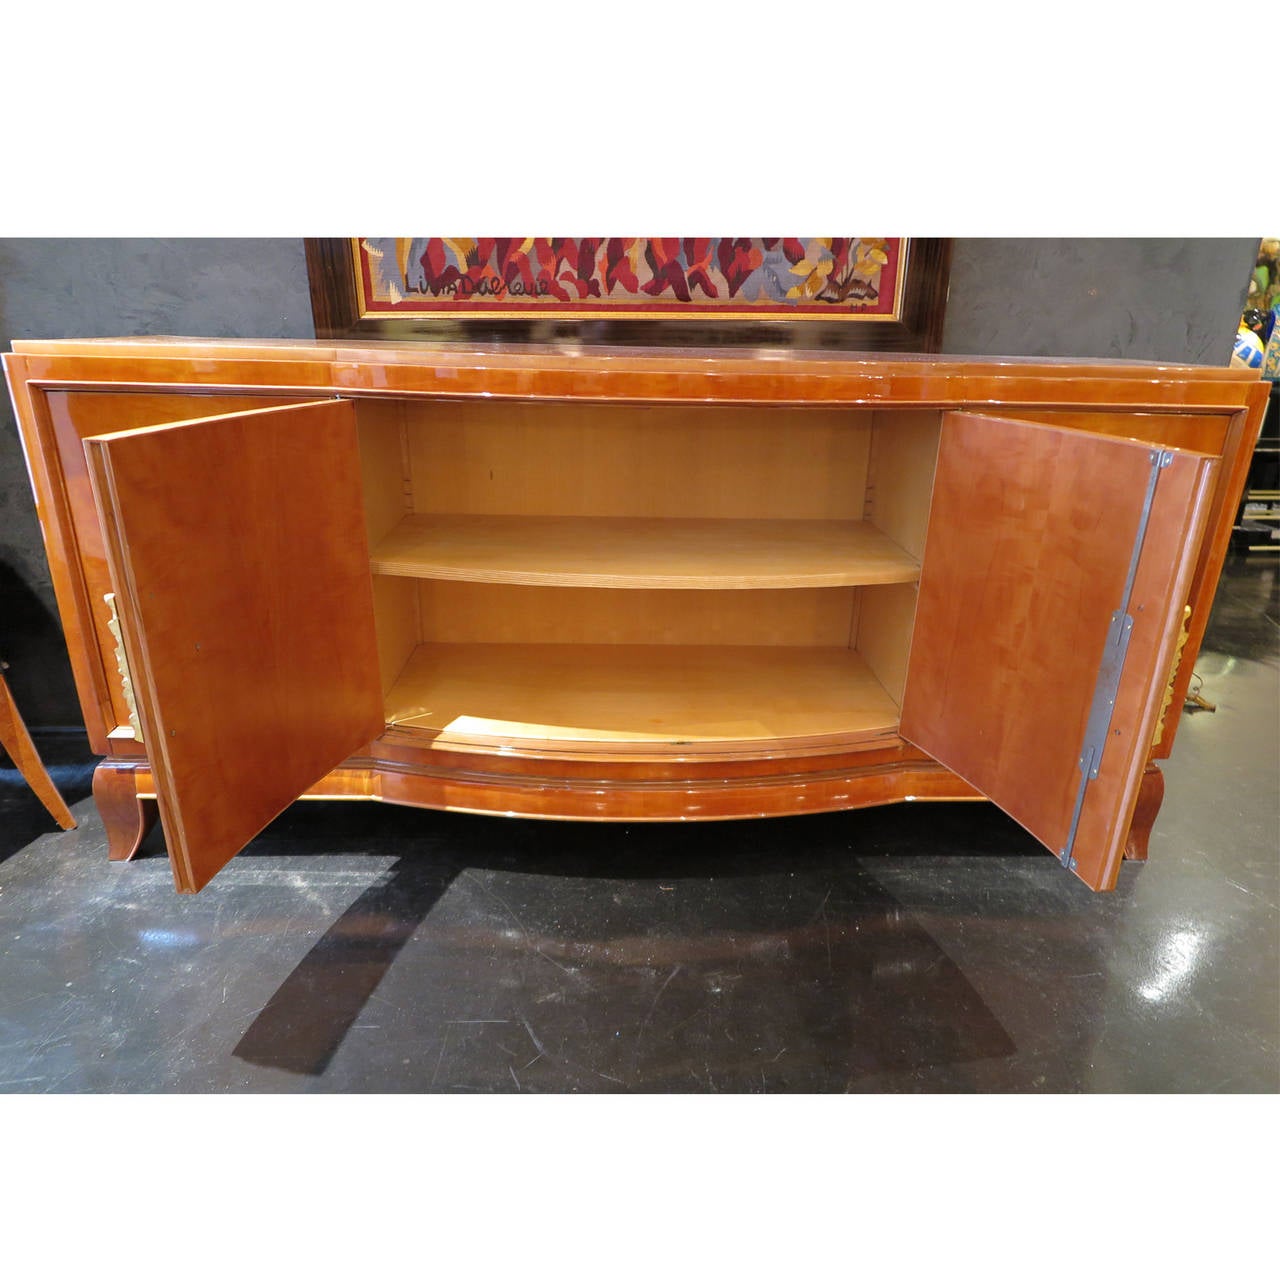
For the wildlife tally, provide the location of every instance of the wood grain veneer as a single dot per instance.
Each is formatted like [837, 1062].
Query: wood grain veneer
[675, 461]
[1029, 548]
[481, 612]
[622, 552]
[238, 552]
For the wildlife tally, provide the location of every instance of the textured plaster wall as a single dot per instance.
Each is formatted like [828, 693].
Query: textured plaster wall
[1176, 300]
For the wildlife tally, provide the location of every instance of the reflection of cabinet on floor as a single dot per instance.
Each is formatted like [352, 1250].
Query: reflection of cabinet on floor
[628, 585]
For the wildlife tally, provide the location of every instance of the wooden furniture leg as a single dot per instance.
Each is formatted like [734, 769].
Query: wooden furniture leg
[1150, 796]
[126, 816]
[17, 742]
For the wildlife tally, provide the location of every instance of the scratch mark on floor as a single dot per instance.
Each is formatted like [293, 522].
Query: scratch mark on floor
[635, 1052]
[507, 907]
[440, 1058]
[537, 1044]
[497, 897]
[564, 968]
[515, 1077]
[826, 927]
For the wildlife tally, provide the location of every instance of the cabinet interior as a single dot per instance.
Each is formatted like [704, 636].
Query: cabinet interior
[561, 571]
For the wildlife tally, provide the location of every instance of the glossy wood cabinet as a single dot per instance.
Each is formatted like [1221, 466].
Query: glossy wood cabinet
[627, 584]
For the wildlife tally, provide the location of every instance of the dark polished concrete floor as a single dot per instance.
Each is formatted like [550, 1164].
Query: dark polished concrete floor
[917, 948]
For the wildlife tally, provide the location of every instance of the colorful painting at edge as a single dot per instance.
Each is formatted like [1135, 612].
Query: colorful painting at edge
[829, 278]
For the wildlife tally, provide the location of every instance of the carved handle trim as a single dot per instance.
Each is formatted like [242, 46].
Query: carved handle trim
[122, 665]
[1173, 675]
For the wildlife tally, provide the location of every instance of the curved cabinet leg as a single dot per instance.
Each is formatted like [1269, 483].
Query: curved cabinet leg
[126, 817]
[1150, 797]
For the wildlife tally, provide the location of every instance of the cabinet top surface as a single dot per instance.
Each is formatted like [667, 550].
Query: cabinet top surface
[569, 354]
[641, 375]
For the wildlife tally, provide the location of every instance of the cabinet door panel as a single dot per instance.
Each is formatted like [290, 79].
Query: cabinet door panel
[1033, 543]
[73, 416]
[238, 552]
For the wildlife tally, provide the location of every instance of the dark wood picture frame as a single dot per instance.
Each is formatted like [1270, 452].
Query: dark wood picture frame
[335, 308]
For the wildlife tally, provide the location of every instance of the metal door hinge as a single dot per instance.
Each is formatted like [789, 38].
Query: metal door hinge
[1116, 647]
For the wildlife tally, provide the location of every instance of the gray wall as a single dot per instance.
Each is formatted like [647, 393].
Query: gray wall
[1175, 300]
[105, 288]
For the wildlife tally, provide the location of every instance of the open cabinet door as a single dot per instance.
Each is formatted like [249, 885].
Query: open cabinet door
[1055, 571]
[238, 553]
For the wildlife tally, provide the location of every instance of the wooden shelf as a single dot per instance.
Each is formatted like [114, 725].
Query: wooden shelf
[581, 551]
[639, 693]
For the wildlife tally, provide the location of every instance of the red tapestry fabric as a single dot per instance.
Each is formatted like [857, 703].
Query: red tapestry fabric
[828, 278]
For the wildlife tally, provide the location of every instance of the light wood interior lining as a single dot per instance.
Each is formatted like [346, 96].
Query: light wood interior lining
[398, 620]
[639, 552]
[498, 529]
[387, 499]
[904, 452]
[570, 459]
[883, 634]
[478, 613]
[623, 693]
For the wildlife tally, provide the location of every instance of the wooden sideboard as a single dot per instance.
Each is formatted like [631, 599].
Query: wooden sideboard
[627, 584]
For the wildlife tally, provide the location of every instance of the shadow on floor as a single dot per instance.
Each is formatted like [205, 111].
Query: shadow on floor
[775, 912]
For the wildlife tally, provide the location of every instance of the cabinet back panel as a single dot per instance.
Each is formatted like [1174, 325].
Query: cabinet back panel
[489, 613]
[629, 460]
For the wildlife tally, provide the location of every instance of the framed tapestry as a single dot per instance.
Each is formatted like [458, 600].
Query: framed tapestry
[868, 293]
